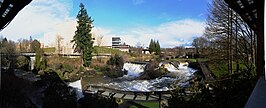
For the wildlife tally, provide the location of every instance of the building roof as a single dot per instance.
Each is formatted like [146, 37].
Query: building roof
[251, 11]
[9, 9]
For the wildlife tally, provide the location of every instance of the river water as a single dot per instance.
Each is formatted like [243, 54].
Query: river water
[177, 76]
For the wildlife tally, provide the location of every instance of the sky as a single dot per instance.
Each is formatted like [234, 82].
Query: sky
[171, 22]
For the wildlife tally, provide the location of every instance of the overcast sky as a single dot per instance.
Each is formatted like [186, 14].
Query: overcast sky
[172, 22]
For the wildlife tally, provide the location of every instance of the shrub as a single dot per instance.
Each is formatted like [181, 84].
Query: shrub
[67, 68]
[81, 69]
[113, 72]
[57, 94]
[116, 60]
[22, 62]
[114, 69]
[96, 101]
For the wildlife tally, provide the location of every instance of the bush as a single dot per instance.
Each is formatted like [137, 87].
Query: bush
[22, 63]
[227, 93]
[57, 94]
[116, 60]
[81, 69]
[67, 68]
[96, 101]
[114, 69]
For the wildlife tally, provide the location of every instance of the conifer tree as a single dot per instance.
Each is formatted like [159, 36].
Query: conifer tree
[151, 46]
[83, 38]
[154, 47]
[157, 48]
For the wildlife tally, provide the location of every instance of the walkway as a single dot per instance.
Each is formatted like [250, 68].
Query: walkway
[206, 71]
[258, 95]
[131, 95]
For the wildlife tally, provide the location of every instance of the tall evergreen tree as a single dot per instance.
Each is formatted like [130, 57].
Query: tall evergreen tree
[151, 46]
[83, 38]
[40, 61]
[154, 47]
[157, 48]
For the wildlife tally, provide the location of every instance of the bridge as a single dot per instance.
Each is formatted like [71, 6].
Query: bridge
[132, 95]
[31, 56]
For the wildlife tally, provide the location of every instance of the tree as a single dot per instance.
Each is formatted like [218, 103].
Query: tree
[154, 47]
[58, 43]
[99, 40]
[138, 48]
[83, 38]
[24, 45]
[35, 45]
[40, 61]
[8, 48]
[151, 46]
[157, 48]
[231, 39]
[201, 43]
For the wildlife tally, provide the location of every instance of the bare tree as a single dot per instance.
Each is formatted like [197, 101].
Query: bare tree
[99, 40]
[58, 43]
[232, 40]
[24, 45]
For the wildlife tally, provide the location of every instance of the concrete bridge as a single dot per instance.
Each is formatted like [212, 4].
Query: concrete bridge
[31, 56]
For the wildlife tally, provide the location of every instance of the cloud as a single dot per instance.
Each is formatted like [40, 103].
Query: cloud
[44, 19]
[64, 29]
[39, 18]
[169, 34]
[137, 2]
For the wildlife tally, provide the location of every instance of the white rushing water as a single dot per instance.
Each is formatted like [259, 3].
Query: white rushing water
[181, 74]
[158, 84]
[77, 86]
[133, 70]
[179, 77]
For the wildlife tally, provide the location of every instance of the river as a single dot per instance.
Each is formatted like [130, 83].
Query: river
[177, 76]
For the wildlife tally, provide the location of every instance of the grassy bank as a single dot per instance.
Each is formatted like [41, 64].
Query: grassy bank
[49, 50]
[220, 68]
[99, 49]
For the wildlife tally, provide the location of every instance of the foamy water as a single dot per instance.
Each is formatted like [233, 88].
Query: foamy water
[133, 70]
[77, 86]
[181, 74]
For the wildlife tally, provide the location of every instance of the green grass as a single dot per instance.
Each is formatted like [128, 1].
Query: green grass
[220, 69]
[147, 104]
[108, 50]
[184, 59]
[49, 50]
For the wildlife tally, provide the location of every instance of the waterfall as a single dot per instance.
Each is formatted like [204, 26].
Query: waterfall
[183, 66]
[133, 70]
[178, 76]
[77, 86]
[170, 67]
